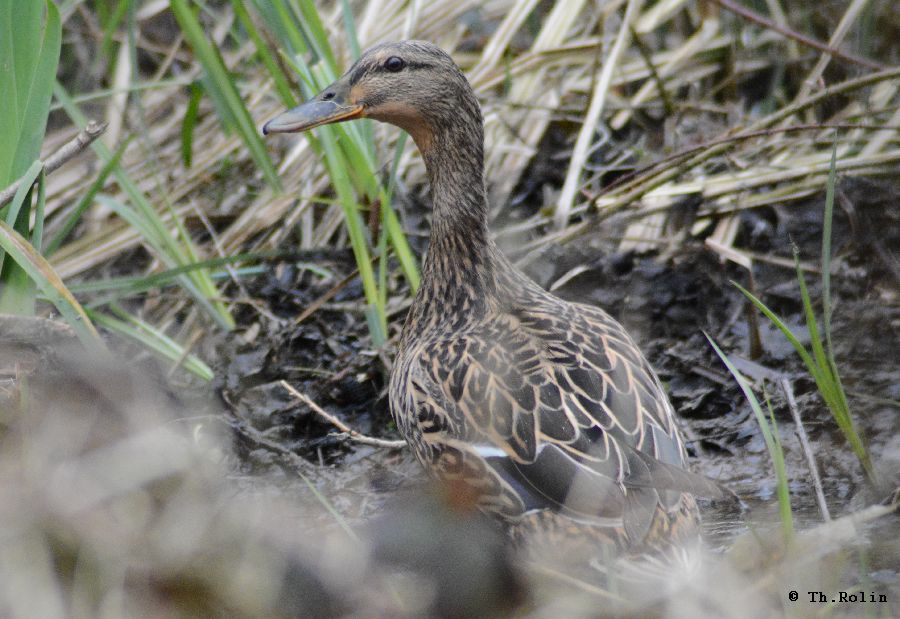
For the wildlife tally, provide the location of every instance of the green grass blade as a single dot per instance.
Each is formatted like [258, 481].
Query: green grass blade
[222, 90]
[773, 443]
[812, 326]
[159, 241]
[16, 288]
[280, 20]
[821, 363]
[785, 330]
[840, 407]
[282, 82]
[14, 208]
[154, 230]
[825, 376]
[408, 262]
[42, 274]
[30, 38]
[37, 233]
[826, 245]
[382, 264]
[200, 277]
[71, 220]
[356, 231]
[189, 123]
[784, 494]
[110, 21]
[133, 285]
[316, 34]
[153, 339]
[103, 93]
[350, 29]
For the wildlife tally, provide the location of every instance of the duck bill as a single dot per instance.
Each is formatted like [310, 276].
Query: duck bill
[314, 113]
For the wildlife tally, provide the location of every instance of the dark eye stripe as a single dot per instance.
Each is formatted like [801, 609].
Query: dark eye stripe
[358, 71]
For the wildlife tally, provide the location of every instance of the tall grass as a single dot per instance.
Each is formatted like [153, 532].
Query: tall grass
[348, 149]
[820, 361]
[221, 86]
[30, 53]
[349, 153]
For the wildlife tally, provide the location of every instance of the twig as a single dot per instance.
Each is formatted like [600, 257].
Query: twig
[70, 149]
[313, 307]
[352, 434]
[807, 450]
[800, 38]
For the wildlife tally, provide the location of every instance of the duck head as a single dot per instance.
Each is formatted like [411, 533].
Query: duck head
[413, 85]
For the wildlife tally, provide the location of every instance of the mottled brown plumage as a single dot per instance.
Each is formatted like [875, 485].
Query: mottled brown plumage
[545, 409]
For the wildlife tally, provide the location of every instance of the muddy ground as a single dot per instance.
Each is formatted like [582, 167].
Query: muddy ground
[667, 302]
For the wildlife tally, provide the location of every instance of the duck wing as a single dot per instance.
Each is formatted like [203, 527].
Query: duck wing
[563, 407]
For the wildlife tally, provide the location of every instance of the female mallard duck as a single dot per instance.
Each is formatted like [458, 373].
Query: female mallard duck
[543, 409]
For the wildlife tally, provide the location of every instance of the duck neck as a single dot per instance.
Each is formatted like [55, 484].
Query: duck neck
[458, 273]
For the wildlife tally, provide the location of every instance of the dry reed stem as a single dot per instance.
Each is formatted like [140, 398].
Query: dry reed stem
[837, 37]
[592, 118]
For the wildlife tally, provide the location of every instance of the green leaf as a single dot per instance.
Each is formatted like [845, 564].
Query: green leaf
[16, 289]
[41, 273]
[770, 436]
[154, 340]
[30, 35]
[189, 123]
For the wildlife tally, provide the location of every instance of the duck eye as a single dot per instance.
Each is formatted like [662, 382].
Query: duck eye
[394, 64]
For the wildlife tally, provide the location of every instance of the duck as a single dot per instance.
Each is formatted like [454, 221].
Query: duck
[543, 410]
